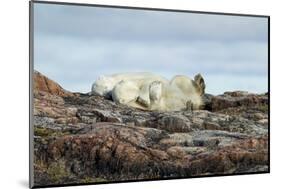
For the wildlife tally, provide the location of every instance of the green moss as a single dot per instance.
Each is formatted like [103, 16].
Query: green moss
[92, 180]
[57, 171]
[263, 108]
[38, 131]
[46, 132]
[39, 163]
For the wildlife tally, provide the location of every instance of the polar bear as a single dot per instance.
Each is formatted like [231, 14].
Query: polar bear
[104, 85]
[151, 92]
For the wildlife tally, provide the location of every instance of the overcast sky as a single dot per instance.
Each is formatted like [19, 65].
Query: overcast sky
[73, 45]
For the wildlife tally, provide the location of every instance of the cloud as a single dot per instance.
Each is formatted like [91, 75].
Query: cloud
[74, 45]
[252, 83]
[127, 24]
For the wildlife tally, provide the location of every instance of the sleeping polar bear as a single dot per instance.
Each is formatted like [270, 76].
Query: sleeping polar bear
[104, 85]
[151, 92]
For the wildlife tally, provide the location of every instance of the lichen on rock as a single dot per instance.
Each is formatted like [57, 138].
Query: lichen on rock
[81, 138]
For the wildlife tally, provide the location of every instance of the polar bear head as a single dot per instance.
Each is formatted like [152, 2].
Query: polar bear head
[103, 86]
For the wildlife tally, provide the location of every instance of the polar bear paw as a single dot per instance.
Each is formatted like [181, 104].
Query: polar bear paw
[143, 101]
[155, 91]
[143, 98]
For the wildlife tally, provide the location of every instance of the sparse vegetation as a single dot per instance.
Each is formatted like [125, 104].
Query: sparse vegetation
[57, 171]
[46, 132]
[263, 108]
[93, 180]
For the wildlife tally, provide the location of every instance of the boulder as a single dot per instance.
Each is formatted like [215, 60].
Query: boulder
[44, 84]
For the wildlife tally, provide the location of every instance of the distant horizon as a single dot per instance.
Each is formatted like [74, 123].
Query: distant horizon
[137, 72]
[74, 45]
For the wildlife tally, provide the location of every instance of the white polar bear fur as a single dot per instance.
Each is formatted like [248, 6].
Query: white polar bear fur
[150, 92]
[129, 91]
[104, 85]
[175, 95]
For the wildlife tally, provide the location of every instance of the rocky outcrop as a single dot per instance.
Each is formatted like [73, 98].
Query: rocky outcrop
[44, 84]
[233, 100]
[82, 138]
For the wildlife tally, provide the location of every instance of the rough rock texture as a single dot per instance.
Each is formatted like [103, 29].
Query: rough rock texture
[42, 83]
[234, 100]
[84, 139]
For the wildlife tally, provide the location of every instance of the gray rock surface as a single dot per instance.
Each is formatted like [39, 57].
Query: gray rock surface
[81, 138]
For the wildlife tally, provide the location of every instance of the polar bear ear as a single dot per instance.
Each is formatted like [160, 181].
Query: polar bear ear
[200, 83]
